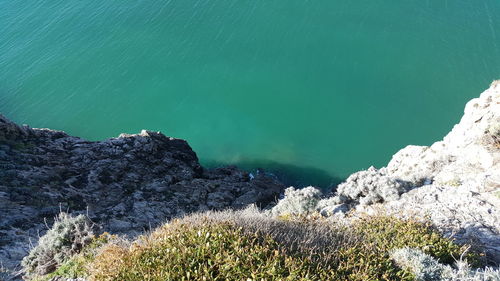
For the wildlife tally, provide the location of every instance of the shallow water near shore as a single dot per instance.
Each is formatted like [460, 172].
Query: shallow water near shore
[314, 90]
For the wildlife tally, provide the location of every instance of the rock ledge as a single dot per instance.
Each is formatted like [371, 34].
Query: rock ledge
[127, 184]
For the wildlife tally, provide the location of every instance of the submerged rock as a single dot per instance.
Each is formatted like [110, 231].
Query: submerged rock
[127, 184]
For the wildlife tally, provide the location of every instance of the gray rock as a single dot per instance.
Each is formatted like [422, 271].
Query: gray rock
[126, 184]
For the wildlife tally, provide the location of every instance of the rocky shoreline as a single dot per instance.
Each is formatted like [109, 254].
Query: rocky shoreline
[126, 184]
[135, 182]
[454, 183]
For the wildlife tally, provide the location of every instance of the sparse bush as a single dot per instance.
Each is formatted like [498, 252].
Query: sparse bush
[389, 233]
[67, 237]
[246, 244]
[297, 202]
[371, 186]
[427, 268]
[465, 273]
[76, 266]
[423, 266]
[210, 252]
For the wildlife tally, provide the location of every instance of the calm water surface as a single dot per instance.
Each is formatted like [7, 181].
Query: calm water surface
[314, 89]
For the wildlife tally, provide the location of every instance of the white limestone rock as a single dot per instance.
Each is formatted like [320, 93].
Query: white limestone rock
[454, 182]
[371, 186]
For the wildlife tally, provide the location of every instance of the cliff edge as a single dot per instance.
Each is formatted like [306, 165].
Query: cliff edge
[455, 183]
[126, 184]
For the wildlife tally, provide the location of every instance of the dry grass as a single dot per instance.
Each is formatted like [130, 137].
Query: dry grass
[111, 258]
[247, 244]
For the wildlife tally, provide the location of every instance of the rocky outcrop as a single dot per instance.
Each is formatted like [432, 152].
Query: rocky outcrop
[454, 182]
[126, 184]
[371, 186]
[134, 182]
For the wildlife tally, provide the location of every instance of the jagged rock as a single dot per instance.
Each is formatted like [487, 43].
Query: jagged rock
[471, 148]
[126, 184]
[371, 186]
[455, 182]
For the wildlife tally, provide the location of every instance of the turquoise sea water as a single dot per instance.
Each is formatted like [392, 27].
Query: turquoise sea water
[313, 89]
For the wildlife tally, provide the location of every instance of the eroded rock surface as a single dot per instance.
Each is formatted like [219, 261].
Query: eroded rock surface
[127, 184]
[454, 182]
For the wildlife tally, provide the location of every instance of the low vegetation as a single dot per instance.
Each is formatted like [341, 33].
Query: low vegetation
[67, 237]
[298, 201]
[427, 268]
[76, 266]
[248, 245]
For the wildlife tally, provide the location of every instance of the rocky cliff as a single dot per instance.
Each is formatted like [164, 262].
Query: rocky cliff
[126, 184]
[133, 182]
[454, 182]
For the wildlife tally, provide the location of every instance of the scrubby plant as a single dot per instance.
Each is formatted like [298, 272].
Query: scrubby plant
[369, 259]
[67, 237]
[76, 266]
[464, 272]
[371, 186]
[248, 245]
[427, 268]
[423, 266]
[297, 202]
[205, 252]
[312, 234]
[389, 233]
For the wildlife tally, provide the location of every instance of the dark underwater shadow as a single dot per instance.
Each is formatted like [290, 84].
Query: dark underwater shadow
[290, 175]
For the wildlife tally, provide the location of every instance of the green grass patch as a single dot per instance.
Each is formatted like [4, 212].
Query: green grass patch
[224, 249]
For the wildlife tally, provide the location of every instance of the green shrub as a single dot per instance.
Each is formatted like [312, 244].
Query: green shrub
[241, 246]
[211, 252]
[67, 237]
[297, 202]
[370, 258]
[76, 266]
[390, 233]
